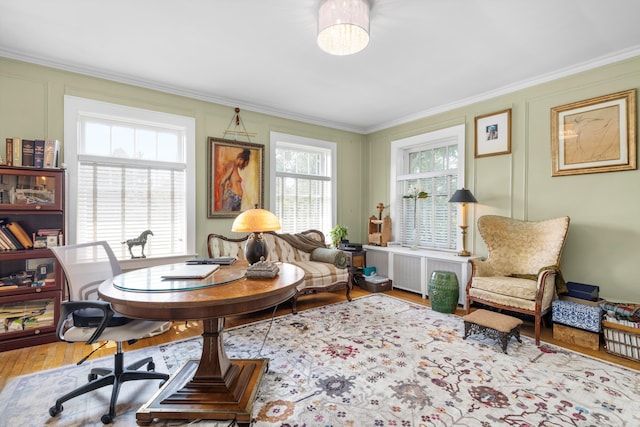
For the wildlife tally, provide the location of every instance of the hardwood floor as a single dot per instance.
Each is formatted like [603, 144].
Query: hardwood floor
[32, 359]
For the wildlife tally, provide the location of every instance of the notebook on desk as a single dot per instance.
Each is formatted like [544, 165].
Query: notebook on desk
[189, 271]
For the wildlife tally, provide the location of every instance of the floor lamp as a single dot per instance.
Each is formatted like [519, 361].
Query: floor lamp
[463, 196]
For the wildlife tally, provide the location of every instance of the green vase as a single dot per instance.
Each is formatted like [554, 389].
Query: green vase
[443, 291]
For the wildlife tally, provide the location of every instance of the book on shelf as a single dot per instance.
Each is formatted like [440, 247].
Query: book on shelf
[22, 236]
[51, 152]
[38, 153]
[5, 243]
[9, 151]
[10, 238]
[48, 232]
[27, 152]
[17, 152]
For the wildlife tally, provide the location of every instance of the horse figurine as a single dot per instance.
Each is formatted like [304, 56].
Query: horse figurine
[139, 241]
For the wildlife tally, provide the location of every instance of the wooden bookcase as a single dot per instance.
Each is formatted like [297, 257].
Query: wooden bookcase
[32, 281]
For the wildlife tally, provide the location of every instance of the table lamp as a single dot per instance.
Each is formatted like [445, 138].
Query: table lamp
[255, 221]
[463, 196]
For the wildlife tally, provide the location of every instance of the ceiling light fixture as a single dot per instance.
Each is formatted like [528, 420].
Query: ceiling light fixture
[343, 26]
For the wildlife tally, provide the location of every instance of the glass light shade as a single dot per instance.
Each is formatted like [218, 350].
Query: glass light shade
[256, 220]
[343, 26]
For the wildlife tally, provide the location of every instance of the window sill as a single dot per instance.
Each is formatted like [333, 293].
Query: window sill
[137, 263]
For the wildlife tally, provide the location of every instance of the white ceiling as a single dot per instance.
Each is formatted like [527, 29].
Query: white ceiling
[424, 56]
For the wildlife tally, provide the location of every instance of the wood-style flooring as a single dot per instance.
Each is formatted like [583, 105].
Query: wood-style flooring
[32, 359]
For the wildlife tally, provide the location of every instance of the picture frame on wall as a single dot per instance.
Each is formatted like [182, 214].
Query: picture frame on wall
[493, 134]
[594, 135]
[235, 176]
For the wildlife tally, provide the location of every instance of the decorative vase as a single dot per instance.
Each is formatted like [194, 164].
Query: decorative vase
[416, 238]
[443, 291]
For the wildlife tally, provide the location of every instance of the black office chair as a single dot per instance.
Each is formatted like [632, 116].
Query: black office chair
[84, 318]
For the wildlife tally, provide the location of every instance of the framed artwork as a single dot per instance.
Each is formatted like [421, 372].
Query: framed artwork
[595, 135]
[236, 177]
[493, 134]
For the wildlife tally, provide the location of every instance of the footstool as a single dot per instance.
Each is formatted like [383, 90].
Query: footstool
[492, 325]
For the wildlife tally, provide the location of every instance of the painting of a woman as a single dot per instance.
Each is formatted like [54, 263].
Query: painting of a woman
[236, 181]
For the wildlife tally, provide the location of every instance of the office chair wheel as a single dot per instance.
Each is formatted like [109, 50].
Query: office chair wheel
[55, 410]
[151, 366]
[92, 377]
[106, 419]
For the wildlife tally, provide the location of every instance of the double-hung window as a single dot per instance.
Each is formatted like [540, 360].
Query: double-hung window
[303, 189]
[130, 170]
[431, 163]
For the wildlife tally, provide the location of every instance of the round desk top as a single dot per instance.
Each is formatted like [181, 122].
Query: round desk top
[198, 299]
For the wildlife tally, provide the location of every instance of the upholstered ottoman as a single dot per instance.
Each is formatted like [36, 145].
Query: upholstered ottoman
[493, 325]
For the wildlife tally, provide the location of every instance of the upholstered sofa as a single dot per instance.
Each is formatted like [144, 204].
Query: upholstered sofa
[320, 275]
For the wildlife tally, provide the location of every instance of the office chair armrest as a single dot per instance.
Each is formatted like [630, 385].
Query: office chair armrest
[68, 307]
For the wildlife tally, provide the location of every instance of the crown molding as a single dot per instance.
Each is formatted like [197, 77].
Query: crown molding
[264, 109]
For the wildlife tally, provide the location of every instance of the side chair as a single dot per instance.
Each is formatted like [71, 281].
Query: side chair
[84, 318]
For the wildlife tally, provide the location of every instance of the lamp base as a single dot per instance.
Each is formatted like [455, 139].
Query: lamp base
[255, 248]
[464, 251]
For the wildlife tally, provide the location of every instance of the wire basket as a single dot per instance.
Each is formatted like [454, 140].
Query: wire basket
[622, 340]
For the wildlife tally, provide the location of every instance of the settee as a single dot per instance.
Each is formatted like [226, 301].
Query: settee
[324, 270]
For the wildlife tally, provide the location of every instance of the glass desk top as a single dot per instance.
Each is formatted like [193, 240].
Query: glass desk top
[153, 279]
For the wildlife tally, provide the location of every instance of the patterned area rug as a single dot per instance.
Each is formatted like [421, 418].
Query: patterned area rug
[377, 361]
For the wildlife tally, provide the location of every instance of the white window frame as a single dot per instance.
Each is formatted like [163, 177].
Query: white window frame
[425, 141]
[74, 108]
[302, 141]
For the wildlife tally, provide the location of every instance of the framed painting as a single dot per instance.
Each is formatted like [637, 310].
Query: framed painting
[493, 134]
[595, 135]
[235, 177]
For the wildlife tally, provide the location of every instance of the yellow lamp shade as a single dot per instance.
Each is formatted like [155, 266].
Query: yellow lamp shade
[256, 220]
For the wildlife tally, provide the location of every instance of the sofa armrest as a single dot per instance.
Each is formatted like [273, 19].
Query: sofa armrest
[222, 246]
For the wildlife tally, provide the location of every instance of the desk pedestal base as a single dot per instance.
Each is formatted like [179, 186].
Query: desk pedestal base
[179, 398]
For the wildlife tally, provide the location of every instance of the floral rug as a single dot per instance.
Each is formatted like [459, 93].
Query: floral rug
[376, 361]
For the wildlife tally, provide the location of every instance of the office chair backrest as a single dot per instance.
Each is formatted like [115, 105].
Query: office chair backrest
[86, 266]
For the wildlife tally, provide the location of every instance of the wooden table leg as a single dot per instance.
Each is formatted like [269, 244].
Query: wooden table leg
[214, 387]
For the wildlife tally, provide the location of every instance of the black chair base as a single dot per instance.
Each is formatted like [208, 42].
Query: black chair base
[101, 377]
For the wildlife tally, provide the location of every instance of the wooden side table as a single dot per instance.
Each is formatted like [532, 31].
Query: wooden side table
[357, 261]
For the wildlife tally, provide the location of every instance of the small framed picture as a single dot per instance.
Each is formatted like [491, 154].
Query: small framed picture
[493, 134]
[594, 135]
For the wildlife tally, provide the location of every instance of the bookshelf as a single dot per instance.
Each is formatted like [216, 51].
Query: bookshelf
[31, 281]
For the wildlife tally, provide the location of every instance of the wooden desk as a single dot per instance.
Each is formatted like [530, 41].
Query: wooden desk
[213, 387]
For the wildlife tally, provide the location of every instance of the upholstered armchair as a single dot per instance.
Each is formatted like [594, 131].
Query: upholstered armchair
[522, 270]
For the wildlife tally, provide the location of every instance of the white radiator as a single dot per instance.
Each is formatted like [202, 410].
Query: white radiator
[408, 272]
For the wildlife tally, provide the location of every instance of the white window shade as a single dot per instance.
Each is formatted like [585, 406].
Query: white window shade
[124, 201]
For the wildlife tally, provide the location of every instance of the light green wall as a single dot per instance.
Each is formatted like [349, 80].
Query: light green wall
[31, 107]
[602, 246]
